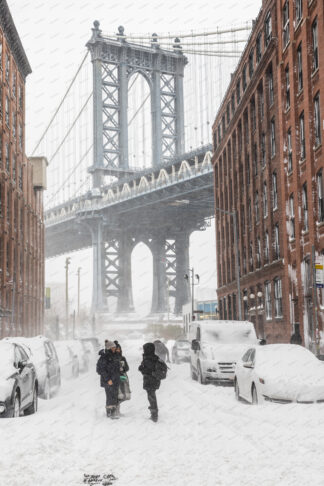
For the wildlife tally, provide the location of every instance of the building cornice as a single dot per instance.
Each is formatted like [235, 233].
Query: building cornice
[13, 39]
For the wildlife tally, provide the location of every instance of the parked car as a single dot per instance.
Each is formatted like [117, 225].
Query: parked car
[78, 349]
[282, 373]
[180, 351]
[68, 359]
[18, 381]
[42, 354]
[215, 348]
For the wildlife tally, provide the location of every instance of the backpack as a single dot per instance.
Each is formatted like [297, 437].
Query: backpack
[161, 370]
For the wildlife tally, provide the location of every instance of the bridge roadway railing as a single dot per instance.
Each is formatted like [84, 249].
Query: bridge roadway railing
[117, 193]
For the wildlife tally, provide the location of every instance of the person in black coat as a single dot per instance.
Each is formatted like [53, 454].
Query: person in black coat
[108, 367]
[150, 382]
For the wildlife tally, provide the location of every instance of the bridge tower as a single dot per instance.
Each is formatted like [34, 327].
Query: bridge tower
[114, 61]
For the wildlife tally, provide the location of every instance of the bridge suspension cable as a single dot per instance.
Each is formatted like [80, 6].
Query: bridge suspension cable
[61, 103]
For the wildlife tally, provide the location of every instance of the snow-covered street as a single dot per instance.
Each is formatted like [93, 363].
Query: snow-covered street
[203, 437]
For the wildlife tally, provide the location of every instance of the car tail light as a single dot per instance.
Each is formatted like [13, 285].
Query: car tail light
[261, 380]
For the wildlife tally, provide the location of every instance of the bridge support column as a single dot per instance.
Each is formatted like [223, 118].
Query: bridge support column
[156, 115]
[159, 297]
[125, 295]
[98, 297]
[182, 294]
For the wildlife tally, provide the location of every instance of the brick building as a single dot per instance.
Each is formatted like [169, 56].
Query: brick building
[268, 167]
[21, 211]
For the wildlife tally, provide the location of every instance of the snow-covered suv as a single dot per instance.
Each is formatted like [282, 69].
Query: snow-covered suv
[215, 348]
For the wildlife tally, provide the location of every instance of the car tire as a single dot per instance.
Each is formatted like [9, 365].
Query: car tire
[254, 395]
[201, 378]
[237, 390]
[34, 405]
[16, 406]
[47, 389]
[192, 373]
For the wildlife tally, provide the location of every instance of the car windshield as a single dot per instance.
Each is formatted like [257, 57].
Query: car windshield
[230, 334]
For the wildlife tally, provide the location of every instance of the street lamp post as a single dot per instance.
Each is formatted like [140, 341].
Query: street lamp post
[67, 263]
[78, 273]
[192, 277]
[237, 260]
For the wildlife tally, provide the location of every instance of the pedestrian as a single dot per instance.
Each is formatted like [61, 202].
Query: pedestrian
[162, 351]
[108, 367]
[124, 392]
[153, 370]
[296, 337]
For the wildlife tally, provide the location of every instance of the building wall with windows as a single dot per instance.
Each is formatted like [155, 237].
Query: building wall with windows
[268, 166]
[21, 211]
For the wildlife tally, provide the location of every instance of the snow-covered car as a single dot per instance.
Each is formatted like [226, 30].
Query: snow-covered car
[18, 381]
[42, 354]
[83, 357]
[282, 373]
[215, 348]
[180, 351]
[68, 359]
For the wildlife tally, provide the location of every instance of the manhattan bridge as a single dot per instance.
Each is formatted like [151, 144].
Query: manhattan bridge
[129, 151]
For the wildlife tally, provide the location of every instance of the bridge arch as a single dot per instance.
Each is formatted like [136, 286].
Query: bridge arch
[142, 276]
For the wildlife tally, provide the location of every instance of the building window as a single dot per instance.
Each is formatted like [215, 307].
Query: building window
[20, 137]
[219, 134]
[251, 63]
[266, 247]
[317, 120]
[278, 297]
[305, 206]
[315, 44]
[14, 164]
[253, 114]
[7, 158]
[273, 138]
[223, 124]
[270, 85]
[287, 78]
[7, 68]
[244, 82]
[258, 48]
[258, 252]
[267, 300]
[276, 242]
[249, 214]
[248, 178]
[256, 206]
[300, 67]
[244, 260]
[251, 256]
[228, 116]
[263, 149]
[255, 158]
[274, 191]
[14, 123]
[302, 137]
[7, 110]
[261, 101]
[21, 97]
[238, 91]
[14, 82]
[320, 195]
[20, 178]
[265, 200]
[292, 216]
[233, 104]
[267, 29]
[289, 148]
[299, 10]
[285, 23]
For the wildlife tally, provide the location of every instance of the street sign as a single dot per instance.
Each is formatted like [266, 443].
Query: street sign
[319, 271]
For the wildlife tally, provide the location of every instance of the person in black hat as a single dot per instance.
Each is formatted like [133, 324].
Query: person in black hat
[151, 381]
[108, 367]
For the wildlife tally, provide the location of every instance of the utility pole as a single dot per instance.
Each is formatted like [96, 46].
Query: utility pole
[67, 263]
[78, 273]
[192, 277]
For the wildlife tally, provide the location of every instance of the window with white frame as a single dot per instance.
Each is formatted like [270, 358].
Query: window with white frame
[302, 137]
[317, 120]
[285, 23]
[273, 137]
[289, 148]
[267, 29]
[267, 300]
[258, 48]
[274, 191]
[305, 206]
[287, 78]
[299, 10]
[276, 242]
[251, 256]
[251, 63]
[291, 217]
[278, 297]
[244, 82]
[263, 149]
[270, 85]
[258, 252]
[300, 67]
[266, 247]
[315, 44]
[249, 214]
[320, 196]
[265, 200]
[256, 206]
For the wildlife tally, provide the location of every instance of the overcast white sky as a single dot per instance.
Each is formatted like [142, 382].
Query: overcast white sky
[54, 34]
